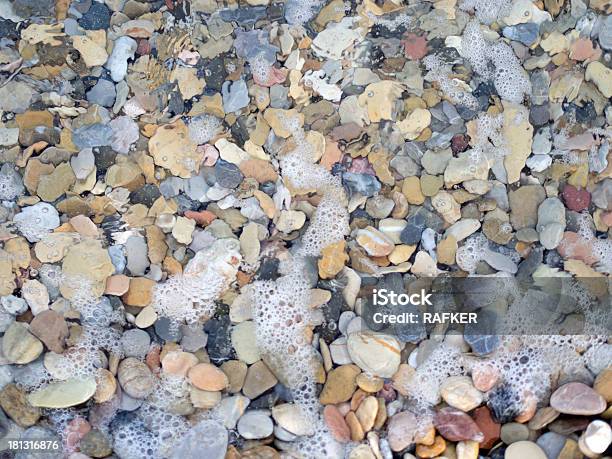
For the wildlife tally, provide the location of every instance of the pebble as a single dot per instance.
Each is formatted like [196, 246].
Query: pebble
[103, 93]
[513, 432]
[401, 431]
[95, 444]
[64, 394]
[255, 424]
[377, 354]
[577, 398]
[258, 380]
[19, 345]
[374, 242]
[339, 385]
[16, 405]
[291, 418]
[597, 437]
[243, 336]
[552, 443]
[459, 392]
[135, 378]
[206, 376]
[123, 49]
[523, 449]
[454, 425]
[199, 200]
[51, 328]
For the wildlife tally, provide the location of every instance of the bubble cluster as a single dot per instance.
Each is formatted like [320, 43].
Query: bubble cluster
[281, 308]
[456, 90]
[133, 441]
[497, 62]
[190, 297]
[472, 252]
[487, 11]
[298, 12]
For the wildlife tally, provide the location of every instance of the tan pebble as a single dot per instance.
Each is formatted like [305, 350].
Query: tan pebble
[402, 378]
[570, 450]
[381, 414]
[204, 399]
[425, 436]
[19, 345]
[411, 189]
[333, 259]
[178, 362]
[140, 292]
[258, 380]
[117, 285]
[357, 398]
[428, 451]
[340, 385]
[146, 317]
[206, 376]
[603, 384]
[106, 386]
[543, 417]
[357, 433]
[369, 383]
[361, 452]
[459, 392]
[84, 226]
[366, 413]
[236, 372]
[375, 243]
[446, 250]
[401, 253]
[467, 449]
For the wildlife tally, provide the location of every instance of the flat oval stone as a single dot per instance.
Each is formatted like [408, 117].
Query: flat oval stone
[523, 450]
[455, 425]
[577, 398]
[64, 394]
[401, 430]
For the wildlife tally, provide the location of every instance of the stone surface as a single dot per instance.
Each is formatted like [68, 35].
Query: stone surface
[19, 345]
[64, 394]
[577, 398]
[339, 385]
[377, 354]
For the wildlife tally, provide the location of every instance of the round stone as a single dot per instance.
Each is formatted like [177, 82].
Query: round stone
[206, 376]
[523, 450]
[513, 432]
[255, 425]
[577, 398]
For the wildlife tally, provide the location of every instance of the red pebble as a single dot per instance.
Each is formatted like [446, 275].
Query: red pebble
[576, 199]
[459, 143]
[415, 46]
[361, 165]
[387, 392]
[202, 218]
[489, 428]
[336, 423]
[75, 431]
[455, 425]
